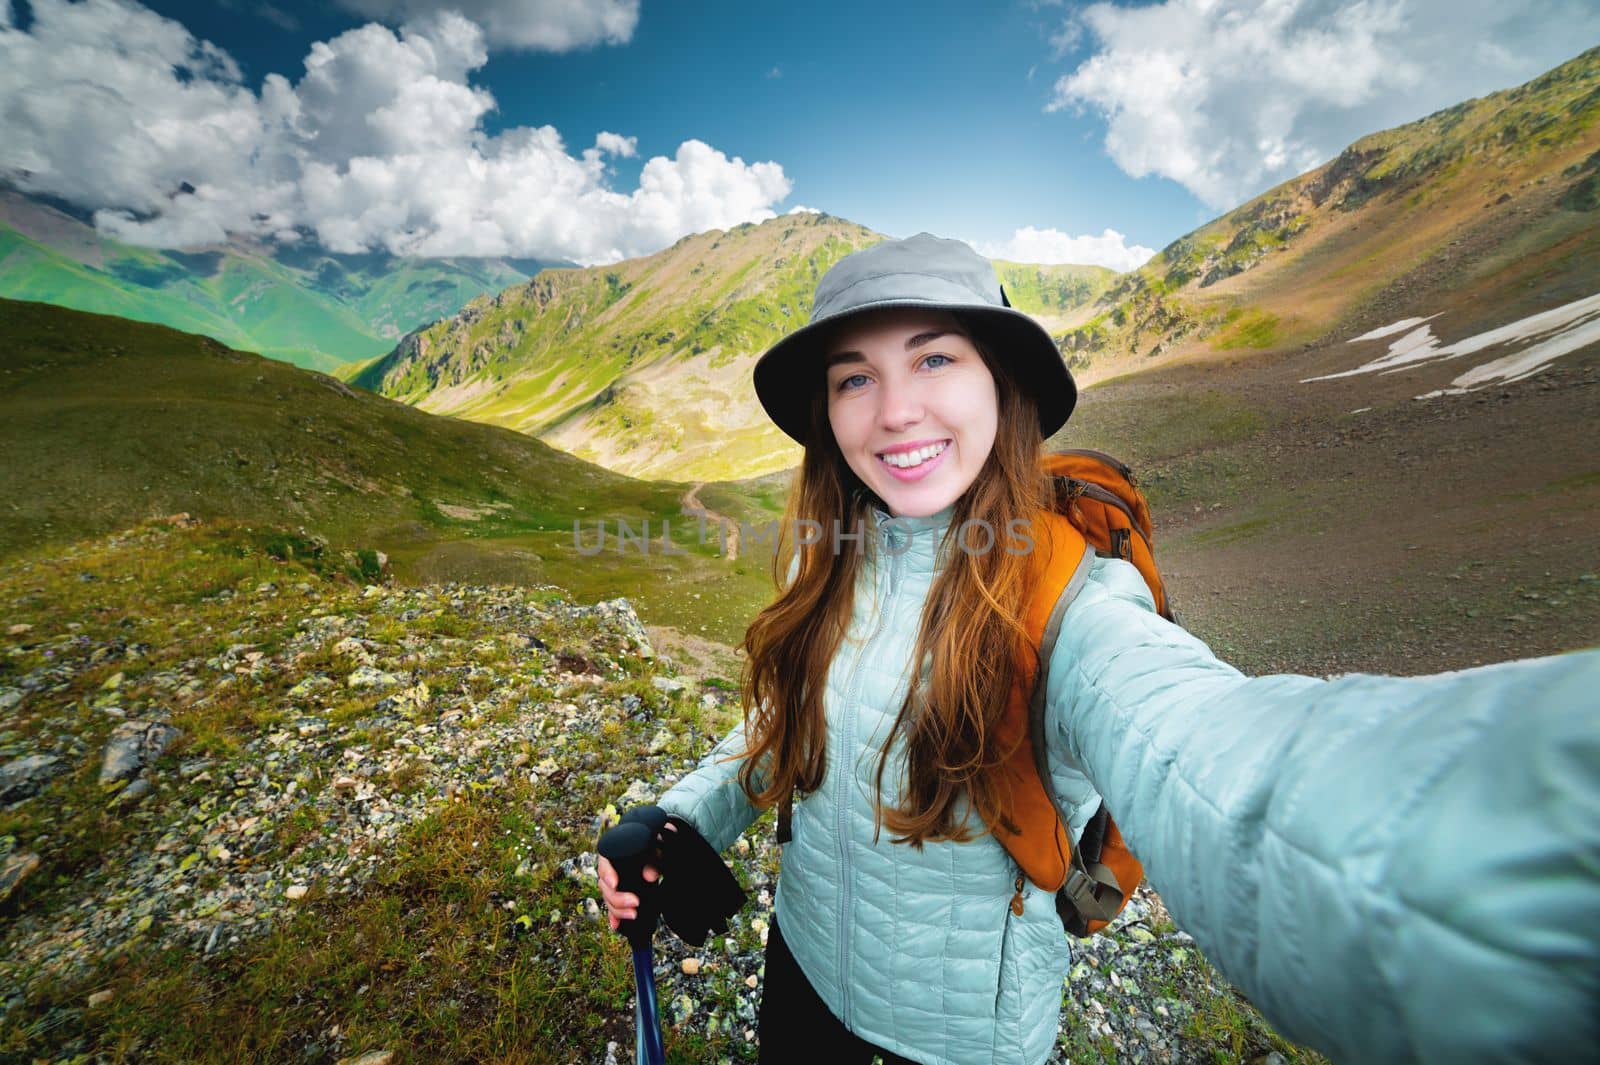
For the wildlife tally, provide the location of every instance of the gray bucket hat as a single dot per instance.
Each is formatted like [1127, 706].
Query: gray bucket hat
[920, 271]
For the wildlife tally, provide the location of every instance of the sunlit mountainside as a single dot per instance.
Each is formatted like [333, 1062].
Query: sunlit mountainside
[645, 366]
[1490, 204]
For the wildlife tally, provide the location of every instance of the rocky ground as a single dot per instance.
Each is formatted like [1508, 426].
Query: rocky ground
[217, 748]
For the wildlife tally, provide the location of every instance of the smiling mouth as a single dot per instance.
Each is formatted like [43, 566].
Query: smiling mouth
[906, 460]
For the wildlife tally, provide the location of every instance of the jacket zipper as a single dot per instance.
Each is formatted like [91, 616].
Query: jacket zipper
[842, 787]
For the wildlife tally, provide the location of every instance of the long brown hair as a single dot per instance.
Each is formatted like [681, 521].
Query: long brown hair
[970, 632]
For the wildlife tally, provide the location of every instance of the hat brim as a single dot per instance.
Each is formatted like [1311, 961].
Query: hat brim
[791, 371]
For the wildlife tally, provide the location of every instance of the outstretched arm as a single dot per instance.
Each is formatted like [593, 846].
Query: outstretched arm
[1391, 868]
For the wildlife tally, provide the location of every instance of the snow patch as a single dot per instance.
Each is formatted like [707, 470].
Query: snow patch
[1524, 363]
[1559, 331]
[1390, 330]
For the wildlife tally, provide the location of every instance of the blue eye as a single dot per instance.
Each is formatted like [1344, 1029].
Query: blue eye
[929, 360]
[844, 385]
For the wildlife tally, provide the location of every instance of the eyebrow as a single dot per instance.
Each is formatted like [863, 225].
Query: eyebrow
[912, 344]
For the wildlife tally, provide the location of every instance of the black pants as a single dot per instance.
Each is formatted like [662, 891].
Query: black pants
[794, 1024]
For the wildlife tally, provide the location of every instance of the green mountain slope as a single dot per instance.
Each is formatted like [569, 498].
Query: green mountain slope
[644, 366]
[310, 308]
[106, 422]
[1462, 207]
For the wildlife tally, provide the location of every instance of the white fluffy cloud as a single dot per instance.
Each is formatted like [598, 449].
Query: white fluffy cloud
[1229, 97]
[380, 144]
[1030, 245]
[535, 25]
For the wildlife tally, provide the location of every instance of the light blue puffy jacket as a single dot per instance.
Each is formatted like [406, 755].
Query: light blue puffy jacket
[1393, 869]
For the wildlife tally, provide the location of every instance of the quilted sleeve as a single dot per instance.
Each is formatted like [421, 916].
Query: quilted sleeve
[1392, 869]
[710, 797]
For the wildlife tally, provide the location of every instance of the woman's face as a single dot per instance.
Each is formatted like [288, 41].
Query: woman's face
[912, 405]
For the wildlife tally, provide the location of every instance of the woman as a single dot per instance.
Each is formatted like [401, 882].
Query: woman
[1391, 868]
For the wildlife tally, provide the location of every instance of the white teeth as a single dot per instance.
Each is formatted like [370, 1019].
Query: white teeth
[906, 459]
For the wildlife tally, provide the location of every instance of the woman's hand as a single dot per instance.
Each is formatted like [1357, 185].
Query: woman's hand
[623, 905]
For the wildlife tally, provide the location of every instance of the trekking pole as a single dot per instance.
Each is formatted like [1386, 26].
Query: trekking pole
[628, 847]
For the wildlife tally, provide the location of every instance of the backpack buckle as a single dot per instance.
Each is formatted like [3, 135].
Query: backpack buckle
[1095, 894]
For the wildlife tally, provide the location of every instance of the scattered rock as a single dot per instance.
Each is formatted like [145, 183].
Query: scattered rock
[14, 869]
[352, 648]
[314, 683]
[371, 1057]
[638, 794]
[368, 677]
[620, 613]
[410, 702]
[23, 777]
[348, 779]
[132, 746]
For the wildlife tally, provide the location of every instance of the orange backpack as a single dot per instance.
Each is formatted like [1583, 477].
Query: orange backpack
[1099, 510]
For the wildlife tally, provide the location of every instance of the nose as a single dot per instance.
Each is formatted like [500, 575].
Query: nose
[899, 405]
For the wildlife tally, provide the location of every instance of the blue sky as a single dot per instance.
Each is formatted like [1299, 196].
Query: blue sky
[900, 116]
[1029, 128]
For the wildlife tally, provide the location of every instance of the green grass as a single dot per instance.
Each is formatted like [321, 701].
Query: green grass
[1246, 329]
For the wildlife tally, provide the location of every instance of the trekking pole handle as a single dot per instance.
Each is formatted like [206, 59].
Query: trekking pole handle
[629, 847]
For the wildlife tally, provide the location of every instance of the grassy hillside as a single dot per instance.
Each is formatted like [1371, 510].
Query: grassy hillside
[105, 423]
[370, 827]
[645, 366]
[1506, 181]
[309, 308]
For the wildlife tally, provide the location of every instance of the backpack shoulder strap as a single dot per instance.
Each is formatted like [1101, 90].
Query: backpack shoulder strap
[1095, 891]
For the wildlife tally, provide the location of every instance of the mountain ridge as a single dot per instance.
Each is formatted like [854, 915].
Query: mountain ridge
[1504, 176]
[300, 305]
[644, 365]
